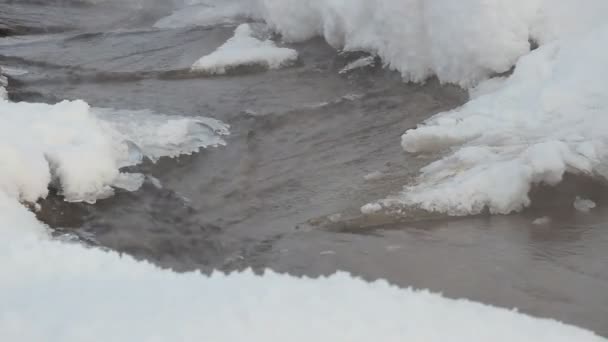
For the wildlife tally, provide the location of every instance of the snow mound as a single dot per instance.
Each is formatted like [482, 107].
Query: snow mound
[244, 49]
[547, 119]
[80, 150]
[460, 42]
[57, 291]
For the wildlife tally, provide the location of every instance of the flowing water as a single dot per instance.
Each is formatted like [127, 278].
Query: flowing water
[308, 147]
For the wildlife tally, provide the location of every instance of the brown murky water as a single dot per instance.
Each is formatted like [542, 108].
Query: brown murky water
[286, 190]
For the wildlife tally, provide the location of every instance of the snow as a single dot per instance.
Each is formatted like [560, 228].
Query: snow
[80, 150]
[460, 42]
[547, 119]
[245, 49]
[59, 291]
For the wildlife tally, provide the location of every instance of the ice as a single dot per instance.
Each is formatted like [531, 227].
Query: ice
[547, 119]
[362, 62]
[79, 150]
[159, 135]
[244, 49]
[542, 221]
[583, 205]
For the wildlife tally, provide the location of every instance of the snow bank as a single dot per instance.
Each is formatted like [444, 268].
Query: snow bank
[547, 119]
[59, 291]
[80, 150]
[245, 49]
[55, 291]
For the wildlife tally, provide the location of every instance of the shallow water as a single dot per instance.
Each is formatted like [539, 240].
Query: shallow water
[285, 192]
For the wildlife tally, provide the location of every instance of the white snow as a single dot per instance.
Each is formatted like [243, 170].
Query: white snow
[80, 150]
[371, 208]
[245, 49]
[583, 205]
[459, 41]
[58, 291]
[547, 119]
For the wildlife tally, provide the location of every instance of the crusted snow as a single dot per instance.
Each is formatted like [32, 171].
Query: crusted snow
[245, 49]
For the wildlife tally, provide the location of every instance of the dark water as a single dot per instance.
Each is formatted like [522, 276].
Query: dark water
[285, 192]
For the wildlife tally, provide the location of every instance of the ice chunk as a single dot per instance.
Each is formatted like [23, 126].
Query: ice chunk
[244, 49]
[359, 63]
[583, 205]
[124, 298]
[542, 221]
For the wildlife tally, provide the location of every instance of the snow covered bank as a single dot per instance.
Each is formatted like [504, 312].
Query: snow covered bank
[547, 119]
[55, 291]
[245, 49]
[80, 150]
